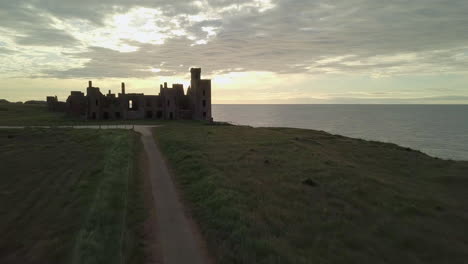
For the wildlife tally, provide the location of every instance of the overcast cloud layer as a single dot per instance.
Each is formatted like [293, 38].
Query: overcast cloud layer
[147, 38]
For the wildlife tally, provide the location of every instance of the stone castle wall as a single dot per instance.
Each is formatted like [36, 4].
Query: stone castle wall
[170, 103]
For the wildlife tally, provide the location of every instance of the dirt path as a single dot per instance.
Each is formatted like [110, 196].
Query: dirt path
[179, 242]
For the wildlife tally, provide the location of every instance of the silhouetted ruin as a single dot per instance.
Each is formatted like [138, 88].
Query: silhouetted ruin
[170, 103]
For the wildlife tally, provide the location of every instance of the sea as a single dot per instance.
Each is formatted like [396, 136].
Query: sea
[438, 130]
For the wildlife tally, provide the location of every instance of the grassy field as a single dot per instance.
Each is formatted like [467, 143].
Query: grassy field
[70, 196]
[281, 195]
[22, 114]
[12, 114]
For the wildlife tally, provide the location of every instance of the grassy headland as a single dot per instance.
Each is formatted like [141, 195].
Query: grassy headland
[70, 196]
[283, 195]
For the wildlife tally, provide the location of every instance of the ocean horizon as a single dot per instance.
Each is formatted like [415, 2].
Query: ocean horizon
[438, 130]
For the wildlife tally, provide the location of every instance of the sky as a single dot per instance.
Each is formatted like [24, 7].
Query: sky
[260, 51]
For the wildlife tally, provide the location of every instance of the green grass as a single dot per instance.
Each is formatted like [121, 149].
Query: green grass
[23, 114]
[12, 114]
[281, 195]
[70, 196]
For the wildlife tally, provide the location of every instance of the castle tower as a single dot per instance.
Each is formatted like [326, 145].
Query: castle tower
[94, 99]
[200, 95]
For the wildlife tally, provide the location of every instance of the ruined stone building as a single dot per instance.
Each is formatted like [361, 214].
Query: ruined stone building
[170, 103]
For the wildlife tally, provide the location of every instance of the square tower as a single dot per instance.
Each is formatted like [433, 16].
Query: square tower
[200, 95]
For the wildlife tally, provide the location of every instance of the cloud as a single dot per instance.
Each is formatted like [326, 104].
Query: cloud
[106, 63]
[5, 51]
[96, 11]
[29, 27]
[45, 37]
[122, 38]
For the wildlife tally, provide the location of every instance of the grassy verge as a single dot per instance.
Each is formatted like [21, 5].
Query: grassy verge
[12, 114]
[280, 195]
[69, 196]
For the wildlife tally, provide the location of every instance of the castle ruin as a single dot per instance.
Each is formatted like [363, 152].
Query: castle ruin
[170, 103]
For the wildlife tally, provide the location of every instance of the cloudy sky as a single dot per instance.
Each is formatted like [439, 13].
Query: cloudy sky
[260, 51]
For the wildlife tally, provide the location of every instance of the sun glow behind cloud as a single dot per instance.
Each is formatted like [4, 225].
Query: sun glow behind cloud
[138, 24]
[149, 25]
